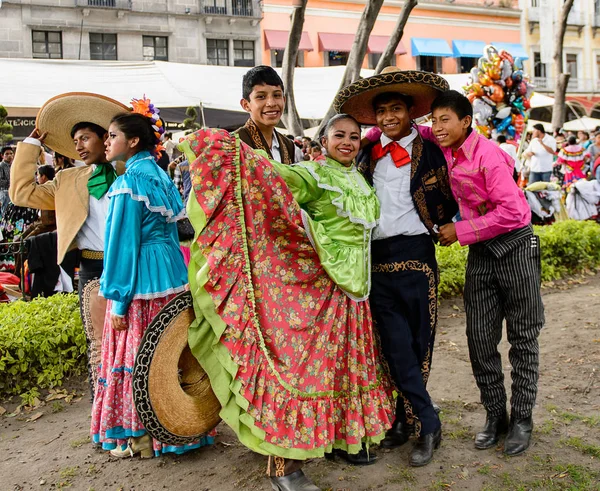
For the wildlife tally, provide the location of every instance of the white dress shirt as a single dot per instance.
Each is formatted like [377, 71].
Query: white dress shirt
[392, 186]
[541, 160]
[91, 233]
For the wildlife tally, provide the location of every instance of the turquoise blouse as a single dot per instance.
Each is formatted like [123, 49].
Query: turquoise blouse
[142, 259]
[339, 212]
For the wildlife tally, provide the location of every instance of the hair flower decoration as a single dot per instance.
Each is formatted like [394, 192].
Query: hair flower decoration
[144, 107]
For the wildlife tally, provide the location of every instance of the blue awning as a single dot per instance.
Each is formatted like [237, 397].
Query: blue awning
[429, 47]
[468, 49]
[516, 50]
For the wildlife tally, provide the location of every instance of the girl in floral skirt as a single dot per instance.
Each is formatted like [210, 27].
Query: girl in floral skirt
[143, 270]
[280, 276]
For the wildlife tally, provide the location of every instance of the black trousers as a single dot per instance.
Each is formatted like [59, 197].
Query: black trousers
[404, 305]
[89, 269]
[503, 283]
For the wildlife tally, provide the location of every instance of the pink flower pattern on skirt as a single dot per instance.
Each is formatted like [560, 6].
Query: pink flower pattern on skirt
[114, 418]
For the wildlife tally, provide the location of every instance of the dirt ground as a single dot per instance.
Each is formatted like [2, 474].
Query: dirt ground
[53, 451]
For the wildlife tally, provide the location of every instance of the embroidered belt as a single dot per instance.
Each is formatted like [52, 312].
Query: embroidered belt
[88, 254]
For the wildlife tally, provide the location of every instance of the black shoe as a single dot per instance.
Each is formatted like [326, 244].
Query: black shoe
[490, 435]
[361, 458]
[297, 481]
[397, 435]
[422, 451]
[519, 436]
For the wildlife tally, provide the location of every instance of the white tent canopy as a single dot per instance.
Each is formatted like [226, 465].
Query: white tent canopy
[586, 124]
[29, 83]
[33, 82]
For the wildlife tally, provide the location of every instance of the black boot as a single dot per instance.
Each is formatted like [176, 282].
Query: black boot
[297, 481]
[361, 458]
[490, 435]
[422, 451]
[397, 435]
[519, 436]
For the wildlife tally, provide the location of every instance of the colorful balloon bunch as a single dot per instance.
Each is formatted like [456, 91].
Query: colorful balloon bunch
[499, 93]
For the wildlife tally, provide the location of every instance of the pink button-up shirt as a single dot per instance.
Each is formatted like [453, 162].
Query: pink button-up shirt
[489, 201]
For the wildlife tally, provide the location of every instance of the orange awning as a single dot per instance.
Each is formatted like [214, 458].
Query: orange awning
[329, 41]
[279, 39]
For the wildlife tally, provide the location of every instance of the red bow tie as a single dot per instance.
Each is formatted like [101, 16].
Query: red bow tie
[399, 155]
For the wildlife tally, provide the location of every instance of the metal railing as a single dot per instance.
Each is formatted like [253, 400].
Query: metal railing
[105, 4]
[547, 84]
[232, 8]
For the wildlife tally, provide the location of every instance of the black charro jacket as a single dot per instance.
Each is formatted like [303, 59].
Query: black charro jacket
[429, 183]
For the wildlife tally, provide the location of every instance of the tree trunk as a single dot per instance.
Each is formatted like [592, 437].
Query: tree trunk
[358, 51]
[290, 117]
[562, 79]
[387, 58]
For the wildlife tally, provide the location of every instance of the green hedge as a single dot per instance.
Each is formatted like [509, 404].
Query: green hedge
[41, 343]
[567, 248]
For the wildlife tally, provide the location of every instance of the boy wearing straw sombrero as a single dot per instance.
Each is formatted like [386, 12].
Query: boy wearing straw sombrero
[411, 181]
[75, 125]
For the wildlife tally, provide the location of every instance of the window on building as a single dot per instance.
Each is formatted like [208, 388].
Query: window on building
[155, 48]
[336, 58]
[215, 7]
[242, 7]
[217, 51]
[277, 58]
[374, 59]
[571, 60]
[46, 44]
[539, 68]
[103, 46]
[465, 64]
[535, 3]
[243, 53]
[429, 64]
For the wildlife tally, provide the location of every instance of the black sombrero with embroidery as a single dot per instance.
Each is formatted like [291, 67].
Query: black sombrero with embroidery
[171, 391]
[356, 99]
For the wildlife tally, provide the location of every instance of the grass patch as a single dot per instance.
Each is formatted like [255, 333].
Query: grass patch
[400, 475]
[580, 476]
[546, 428]
[484, 469]
[585, 448]
[569, 417]
[79, 442]
[459, 434]
[68, 472]
[57, 407]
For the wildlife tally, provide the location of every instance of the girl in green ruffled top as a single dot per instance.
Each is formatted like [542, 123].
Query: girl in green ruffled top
[339, 208]
[280, 276]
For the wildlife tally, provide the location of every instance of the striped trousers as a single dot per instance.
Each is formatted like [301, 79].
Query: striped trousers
[503, 283]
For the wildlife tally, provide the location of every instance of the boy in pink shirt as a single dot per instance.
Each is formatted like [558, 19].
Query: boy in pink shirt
[503, 270]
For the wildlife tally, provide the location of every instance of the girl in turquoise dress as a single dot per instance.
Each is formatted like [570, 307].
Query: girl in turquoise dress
[143, 270]
[280, 276]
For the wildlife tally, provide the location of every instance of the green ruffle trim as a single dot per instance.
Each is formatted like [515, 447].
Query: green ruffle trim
[204, 337]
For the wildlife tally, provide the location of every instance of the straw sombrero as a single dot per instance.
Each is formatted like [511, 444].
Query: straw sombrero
[172, 393]
[356, 99]
[58, 116]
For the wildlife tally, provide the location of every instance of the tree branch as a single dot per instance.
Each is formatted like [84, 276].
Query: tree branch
[387, 57]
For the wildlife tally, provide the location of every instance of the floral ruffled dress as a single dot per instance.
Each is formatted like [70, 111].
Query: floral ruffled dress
[279, 274]
[143, 271]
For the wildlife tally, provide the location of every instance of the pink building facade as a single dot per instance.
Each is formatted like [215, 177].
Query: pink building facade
[440, 36]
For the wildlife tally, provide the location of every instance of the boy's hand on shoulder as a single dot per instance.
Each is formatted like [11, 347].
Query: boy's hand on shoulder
[448, 234]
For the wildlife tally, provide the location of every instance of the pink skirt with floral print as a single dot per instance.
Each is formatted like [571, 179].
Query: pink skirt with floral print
[114, 418]
[293, 360]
